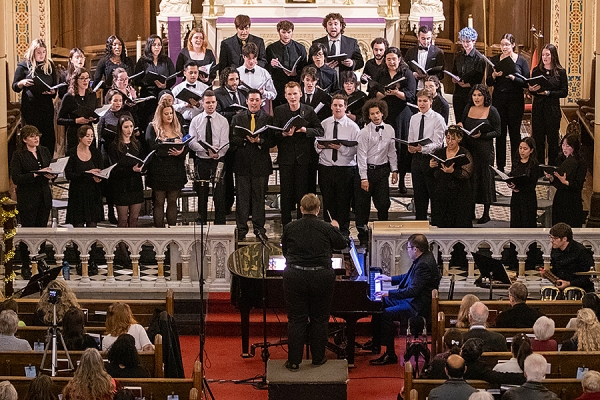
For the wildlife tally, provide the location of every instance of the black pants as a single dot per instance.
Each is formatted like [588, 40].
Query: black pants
[511, 108]
[294, 185]
[384, 325]
[337, 186]
[379, 190]
[251, 192]
[308, 296]
[423, 183]
[545, 124]
[205, 169]
[228, 181]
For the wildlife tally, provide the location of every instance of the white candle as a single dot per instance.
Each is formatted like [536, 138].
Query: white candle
[138, 48]
[470, 21]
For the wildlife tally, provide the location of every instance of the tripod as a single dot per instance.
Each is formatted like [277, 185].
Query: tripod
[53, 334]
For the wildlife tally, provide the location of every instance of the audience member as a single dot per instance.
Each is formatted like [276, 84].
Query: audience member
[90, 381]
[66, 300]
[123, 360]
[119, 320]
[587, 334]
[519, 315]
[520, 348]
[478, 315]
[535, 371]
[476, 368]
[463, 312]
[543, 329]
[9, 322]
[8, 391]
[452, 342]
[481, 395]
[591, 386]
[11, 304]
[40, 388]
[589, 300]
[74, 332]
[455, 388]
[124, 394]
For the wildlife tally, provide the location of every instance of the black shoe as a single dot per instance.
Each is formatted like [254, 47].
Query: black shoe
[112, 219]
[292, 367]
[402, 188]
[385, 359]
[319, 363]
[370, 346]
[483, 220]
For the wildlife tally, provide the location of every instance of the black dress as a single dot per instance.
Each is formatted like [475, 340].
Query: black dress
[124, 183]
[482, 151]
[567, 205]
[451, 204]
[85, 195]
[523, 204]
[164, 173]
[66, 115]
[470, 68]
[33, 193]
[106, 67]
[209, 57]
[147, 108]
[37, 109]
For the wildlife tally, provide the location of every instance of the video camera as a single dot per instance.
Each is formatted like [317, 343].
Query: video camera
[54, 296]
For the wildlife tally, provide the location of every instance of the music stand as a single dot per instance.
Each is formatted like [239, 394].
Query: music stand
[490, 268]
[38, 282]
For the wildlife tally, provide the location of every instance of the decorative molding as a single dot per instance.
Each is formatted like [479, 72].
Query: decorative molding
[22, 28]
[575, 53]
[42, 25]
[555, 22]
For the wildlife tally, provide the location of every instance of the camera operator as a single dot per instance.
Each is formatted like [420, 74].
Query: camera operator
[59, 293]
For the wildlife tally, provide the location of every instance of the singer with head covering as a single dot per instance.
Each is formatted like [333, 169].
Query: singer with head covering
[210, 141]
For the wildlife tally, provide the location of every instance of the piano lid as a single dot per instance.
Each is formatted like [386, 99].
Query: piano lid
[247, 261]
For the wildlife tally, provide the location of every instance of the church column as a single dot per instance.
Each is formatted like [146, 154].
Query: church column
[4, 181]
[594, 215]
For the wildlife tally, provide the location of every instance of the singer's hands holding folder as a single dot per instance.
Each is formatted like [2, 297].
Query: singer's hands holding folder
[48, 176]
[174, 152]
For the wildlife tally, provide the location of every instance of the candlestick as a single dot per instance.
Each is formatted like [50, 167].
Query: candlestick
[138, 48]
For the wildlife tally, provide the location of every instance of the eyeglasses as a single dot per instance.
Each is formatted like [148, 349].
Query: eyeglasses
[122, 79]
[408, 246]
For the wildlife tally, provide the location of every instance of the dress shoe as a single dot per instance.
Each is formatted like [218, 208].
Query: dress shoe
[385, 359]
[483, 220]
[319, 363]
[402, 188]
[112, 219]
[370, 346]
[292, 367]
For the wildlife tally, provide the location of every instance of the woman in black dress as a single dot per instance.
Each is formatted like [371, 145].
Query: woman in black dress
[115, 56]
[76, 60]
[156, 61]
[508, 97]
[79, 97]
[37, 108]
[197, 50]
[125, 180]
[451, 199]
[396, 97]
[328, 77]
[568, 180]
[545, 112]
[33, 188]
[523, 203]
[481, 146]
[85, 195]
[350, 89]
[166, 173]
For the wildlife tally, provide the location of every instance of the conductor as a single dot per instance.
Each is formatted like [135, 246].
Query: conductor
[308, 280]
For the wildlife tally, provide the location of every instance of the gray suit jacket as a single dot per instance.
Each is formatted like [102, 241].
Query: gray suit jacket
[452, 389]
[492, 341]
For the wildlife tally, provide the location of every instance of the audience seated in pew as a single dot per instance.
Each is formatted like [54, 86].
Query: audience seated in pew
[90, 381]
[463, 313]
[591, 301]
[8, 327]
[66, 300]
[8, 391]
[478, 369]
[73, 332]
[124, 394]
[521, 349]
[492, 341]
[480, 395]
[543, 329]
[452, 343]
[119, 320]
[587, 334]
[520, 315]
[123, 361]
[40, 389]
[591, 386]
[11, 304]
[533, 389]
[455, 388]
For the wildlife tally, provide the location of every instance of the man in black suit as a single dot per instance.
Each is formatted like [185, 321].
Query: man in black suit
[230, 54]
[284, 53]
[228, 94]
[252, 164]
[337, 43]
[478, 315]
[427, 55]
[520, 315]
[313, 96]
[296, 149]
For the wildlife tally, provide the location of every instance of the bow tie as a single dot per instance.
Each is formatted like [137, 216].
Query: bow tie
[423, 48]
[378, 127]
[249, 71]
[191, 85]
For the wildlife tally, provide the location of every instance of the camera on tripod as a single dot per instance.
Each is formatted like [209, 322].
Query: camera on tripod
[54, 296]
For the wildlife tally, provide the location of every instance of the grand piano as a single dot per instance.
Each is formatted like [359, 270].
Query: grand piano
[351, 300]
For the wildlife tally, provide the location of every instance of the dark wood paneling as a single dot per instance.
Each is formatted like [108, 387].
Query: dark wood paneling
[93, 22]
[128, 22]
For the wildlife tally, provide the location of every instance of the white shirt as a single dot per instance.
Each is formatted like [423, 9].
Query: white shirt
[260, 79]
[376, 148]
[347, 130]
[220, 133]
[511, 365]
[181, 106]
[136, 330]
[435, 129]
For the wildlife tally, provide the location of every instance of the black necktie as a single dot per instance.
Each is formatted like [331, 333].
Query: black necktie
[234, 98]
[423, 48]
[286, 56]
[422, 127]
[332, 50]
[209, 130]
[334, 153]
[308, 98]
[249, 71]
[191, 85]
[378, 128]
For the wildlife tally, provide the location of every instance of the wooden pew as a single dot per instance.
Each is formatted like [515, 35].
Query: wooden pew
[13, 363]
[561, 311]
[143, 310]
[560, 334]
[565, 389]
[38, 333]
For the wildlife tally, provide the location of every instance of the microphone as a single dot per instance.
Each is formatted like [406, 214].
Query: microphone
[219, 172]
[190, 171]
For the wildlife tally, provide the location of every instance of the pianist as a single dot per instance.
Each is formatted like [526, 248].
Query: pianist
[308, 280]
[411, 298]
